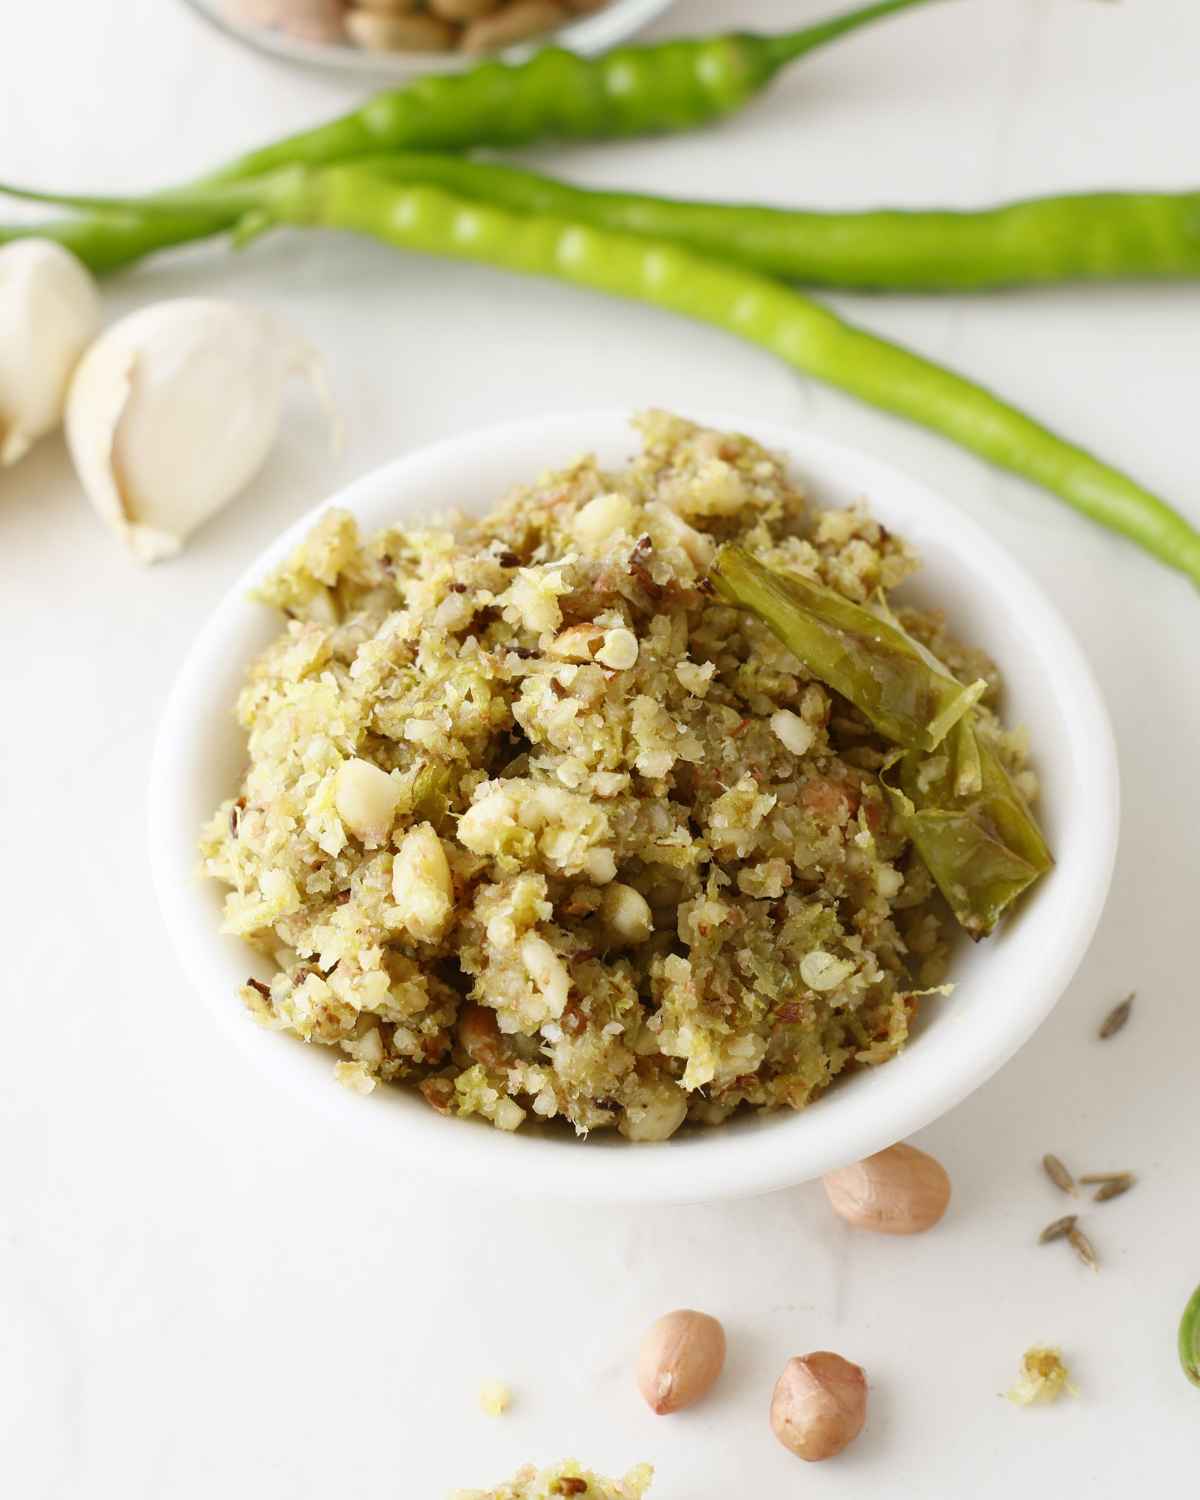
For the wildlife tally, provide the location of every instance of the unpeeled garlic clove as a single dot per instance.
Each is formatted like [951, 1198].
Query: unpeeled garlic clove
[897, 1191]
[49, 313]
[819, 1405]
[679, 1361]
[173, 410]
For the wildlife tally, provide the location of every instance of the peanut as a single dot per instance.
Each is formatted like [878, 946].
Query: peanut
[679, 1360]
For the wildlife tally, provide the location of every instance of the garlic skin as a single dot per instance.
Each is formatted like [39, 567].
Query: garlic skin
[172, 412]
[49, 313]
[897, 1191]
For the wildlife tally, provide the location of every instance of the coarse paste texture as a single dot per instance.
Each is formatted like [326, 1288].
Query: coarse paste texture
[534, 822]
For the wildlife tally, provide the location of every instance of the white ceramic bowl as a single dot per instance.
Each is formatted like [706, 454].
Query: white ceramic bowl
[588, 35]
[1005, 986]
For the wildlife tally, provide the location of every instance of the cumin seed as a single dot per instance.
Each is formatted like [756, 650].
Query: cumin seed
[1058, 1230]
[1058, 1175]
[1090, 1179]
[1115, 1188]
[1116, 1018]
[1083, 1248]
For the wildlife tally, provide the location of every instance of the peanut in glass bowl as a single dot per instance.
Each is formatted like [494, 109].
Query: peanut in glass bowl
[1005, 987]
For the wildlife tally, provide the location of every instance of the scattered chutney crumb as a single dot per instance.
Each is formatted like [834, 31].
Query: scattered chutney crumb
[1043, 1378]
[565, 1479]
[494, 1397]
[354, 1076]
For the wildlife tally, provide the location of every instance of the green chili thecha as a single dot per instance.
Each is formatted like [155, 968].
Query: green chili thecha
[553, 95]
[801, 332]
[1189, 1339]
[890, 678]
[1073, 237]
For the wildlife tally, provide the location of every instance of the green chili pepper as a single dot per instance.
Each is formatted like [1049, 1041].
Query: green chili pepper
[553, 95]
[1189, 1339]
[1086, 236]
[799, 331]
[969, 824]
[1116, 236]
[558, 95]
[966, 819]
[890, 678]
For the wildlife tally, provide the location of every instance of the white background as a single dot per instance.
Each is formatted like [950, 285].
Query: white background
[202, 1293]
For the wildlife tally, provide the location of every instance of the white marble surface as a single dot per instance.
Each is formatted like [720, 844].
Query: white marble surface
[201, 1292]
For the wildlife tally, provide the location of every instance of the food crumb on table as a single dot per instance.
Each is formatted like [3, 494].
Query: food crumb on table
[1043, 1378]
[567, 1478]
[495, 1397]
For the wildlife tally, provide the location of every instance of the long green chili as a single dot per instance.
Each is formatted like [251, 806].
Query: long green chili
[1083, 236]
[558, 95]
[889, 677]
[553, 95]
[1189, 1339]
[1108, 236]
[799, 331]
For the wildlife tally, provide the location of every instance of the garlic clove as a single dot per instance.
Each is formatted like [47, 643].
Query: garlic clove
[173, 411]
[897, 1191]
[49, 313]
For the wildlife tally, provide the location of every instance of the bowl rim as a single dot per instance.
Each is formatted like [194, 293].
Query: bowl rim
[587, 35]
[706, 1166]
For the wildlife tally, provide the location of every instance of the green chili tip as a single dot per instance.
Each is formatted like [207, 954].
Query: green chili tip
[1189, 1339]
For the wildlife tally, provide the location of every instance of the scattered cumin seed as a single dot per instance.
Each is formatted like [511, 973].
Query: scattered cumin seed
[1084, 1248]
[1090, 1179]
[1058, 1230]
[1115, 1188]
[1116, 1018]
[1058, 1175]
